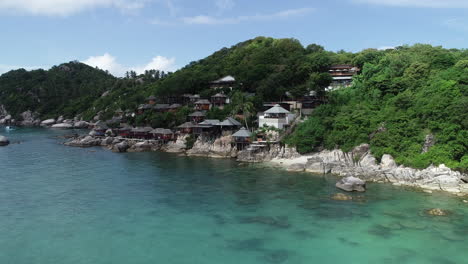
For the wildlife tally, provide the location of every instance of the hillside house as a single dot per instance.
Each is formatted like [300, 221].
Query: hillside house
[227, 82]
[202, 105]
[219, 100]
[342, 75]
[277, 117]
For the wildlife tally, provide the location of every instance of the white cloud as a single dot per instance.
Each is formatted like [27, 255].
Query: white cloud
[212, 20]
[106, 62]
[110, 63]
[158, 63]
[66, 7]
[418, 3]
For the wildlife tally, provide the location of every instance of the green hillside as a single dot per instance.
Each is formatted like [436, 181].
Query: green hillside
[402, 96]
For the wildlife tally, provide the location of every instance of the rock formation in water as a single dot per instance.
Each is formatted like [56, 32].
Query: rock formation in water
[351, 184]
[4, 141]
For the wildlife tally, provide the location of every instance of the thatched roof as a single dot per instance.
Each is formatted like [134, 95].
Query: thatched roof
[225, 79]
[142, 130]
[197, 114]
[203, 101]
[219, 95]
[210, 122]
[243, 132]
[230, 122]
[162, 131]
[187, 125]
[175, 106]
[161, 106]
[277, 109]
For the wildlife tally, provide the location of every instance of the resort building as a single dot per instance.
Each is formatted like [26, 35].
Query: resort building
[161, 107]
[219, 100]
[202, 105]
[141, 132]
[342, 76]
[277, 117]
[162, 134]
[186, 128]
[174, 107]
[226, 82]
[229, 125]
[124, 131]
[242, 138]
[197, 117]
[207, 127]
[151, 100]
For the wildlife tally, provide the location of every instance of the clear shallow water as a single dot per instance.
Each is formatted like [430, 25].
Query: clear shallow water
[69, 205]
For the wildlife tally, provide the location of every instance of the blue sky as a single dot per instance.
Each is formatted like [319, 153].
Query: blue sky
[119, 35]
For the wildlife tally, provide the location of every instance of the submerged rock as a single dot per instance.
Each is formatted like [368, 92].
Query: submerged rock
[351, 184]
[437, 212]
[4, 141]
[341, 197]
[121, 147]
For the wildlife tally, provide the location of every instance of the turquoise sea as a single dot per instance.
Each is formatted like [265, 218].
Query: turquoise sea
[69, 205]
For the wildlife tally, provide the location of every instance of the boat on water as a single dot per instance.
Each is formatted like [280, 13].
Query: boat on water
[9, 128]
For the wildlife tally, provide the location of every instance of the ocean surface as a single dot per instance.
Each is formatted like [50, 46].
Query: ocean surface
[70, 205]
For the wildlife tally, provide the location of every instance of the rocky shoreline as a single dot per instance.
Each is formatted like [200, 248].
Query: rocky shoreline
[358, 163]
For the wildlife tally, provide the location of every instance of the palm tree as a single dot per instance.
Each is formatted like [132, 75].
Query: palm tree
[241, 104]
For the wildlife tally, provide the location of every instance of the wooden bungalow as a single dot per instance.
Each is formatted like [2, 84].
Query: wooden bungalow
[229, 124]
[143, 108]
[226, 82]
[124, 131]
[141, 132]
[186, 128]
[197, 117]
[219, 100]
[202, 105]
[151, 100]
[161, 108]
[162, 134]
[242, 138]
[207, 127]
[174, 107]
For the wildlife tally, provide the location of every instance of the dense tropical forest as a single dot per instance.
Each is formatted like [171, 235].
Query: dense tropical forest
[401, 97]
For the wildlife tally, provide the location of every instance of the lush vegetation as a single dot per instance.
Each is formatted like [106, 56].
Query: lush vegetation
[69, 88]
[402, 96]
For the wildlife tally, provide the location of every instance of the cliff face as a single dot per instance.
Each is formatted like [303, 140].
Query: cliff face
[216, 148]
[361, 163]
[267, 153]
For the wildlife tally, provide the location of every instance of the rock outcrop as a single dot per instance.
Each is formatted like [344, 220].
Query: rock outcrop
[215, 148]
[351, 184]
[29, 119]
[48, 122]
[360, 163]
[4, 141]
[267, 153]
[63, 126]
[177, 146]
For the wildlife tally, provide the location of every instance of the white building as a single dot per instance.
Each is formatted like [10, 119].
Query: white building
[277, 117]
